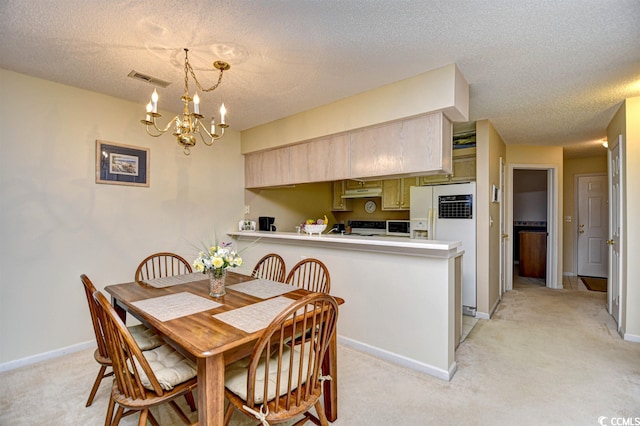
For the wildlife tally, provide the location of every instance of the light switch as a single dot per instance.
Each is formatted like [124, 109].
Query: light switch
[567, 218]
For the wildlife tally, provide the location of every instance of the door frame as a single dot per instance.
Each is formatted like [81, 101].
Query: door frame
[620, 320]
[576, 210]
[553, 204]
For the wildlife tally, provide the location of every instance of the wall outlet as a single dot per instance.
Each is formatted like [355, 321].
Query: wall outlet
[247, 210]
[567, 218]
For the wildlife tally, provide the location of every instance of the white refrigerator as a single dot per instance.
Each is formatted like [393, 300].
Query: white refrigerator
[448, 212]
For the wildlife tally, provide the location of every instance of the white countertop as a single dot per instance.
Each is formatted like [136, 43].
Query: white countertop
[402, 245]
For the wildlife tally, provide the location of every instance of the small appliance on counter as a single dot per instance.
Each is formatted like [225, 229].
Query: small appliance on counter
[399, 228]
[247, 225]
[266, 223]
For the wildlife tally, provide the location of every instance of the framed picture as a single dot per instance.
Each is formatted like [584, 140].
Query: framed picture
[118, 164]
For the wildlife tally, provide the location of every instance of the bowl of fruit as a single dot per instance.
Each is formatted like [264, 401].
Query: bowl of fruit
[315, 226]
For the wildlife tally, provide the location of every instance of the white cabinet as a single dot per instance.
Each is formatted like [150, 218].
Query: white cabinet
[396, 193]
[407, 146]
[267, 168]
[320, 160]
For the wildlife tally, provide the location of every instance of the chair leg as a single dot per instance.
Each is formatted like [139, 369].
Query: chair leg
[96, 385]
[189, 398]
[109, 418]
[321, 414]
[118, 416]
[228, 413]
[143, 417]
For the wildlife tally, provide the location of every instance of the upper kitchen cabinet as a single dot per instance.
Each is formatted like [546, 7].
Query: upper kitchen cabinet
[411, 146]
[320, 160]
[338, 203]
[464, 168]
[396, 193]
[267, 168]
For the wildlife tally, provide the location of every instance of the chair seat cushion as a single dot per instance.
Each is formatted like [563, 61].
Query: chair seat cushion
[235, 375]
[144, 337]
[169, 366]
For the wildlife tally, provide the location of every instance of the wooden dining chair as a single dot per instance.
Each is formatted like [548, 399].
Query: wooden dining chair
[163, 264]
[270, 267]
[282, 380]
[142, 379]
[145, 338]
[310, 274]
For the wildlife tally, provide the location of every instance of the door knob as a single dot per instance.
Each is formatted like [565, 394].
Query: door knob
[505, 235]
[609, 242]
[581, 231]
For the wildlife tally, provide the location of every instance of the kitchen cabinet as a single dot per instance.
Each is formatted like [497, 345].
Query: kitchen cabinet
[406, 147]
[464, 168]
[396, 193]
[358, 184]
[533, 254]
[320, 160]
[338, 203]
[267, 168]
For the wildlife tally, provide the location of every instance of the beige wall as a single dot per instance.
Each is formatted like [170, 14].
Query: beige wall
[573, 167]
[489, 149]
[443, 89]
[544, 157]
[626, 122]
[57, 223]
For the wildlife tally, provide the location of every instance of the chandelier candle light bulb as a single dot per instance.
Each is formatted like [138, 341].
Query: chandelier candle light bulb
[154, 101]
[223, 112]
[196, 103]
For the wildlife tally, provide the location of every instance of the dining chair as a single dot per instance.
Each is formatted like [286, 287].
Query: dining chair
[282, 380]
[145, 338]
[143, 379]
[270, 267]
[310, 274]
[163, 264]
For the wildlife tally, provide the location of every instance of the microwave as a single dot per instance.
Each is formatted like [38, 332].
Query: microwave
[399, 228]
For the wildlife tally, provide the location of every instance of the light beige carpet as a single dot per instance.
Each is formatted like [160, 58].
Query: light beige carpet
[548, 357]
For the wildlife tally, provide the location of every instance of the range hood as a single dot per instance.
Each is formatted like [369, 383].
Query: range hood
[362, 193]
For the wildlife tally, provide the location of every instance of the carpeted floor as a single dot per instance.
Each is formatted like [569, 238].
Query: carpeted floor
[548, 357]
[594, 283]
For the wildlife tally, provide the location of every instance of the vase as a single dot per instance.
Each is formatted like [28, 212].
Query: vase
[216, 282]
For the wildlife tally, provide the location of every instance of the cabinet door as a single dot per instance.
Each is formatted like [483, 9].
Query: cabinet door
[464, 165]
[396, 193]
[357, 184]
[339, 203]
[431, 179]
[267, 168]
[409, 146]
[320, 160]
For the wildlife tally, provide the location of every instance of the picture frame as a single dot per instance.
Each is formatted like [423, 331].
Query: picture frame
[119, 164]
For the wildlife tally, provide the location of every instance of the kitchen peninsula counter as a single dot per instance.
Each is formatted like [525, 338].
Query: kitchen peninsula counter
[402, 296]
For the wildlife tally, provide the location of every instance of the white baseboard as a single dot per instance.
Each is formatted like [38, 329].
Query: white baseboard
[631, 337]
[399, 359]
[569, 274]
[482, 315]
[11, 365]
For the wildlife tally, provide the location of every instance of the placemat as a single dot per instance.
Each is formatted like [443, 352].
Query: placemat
[262, 288]
[175, 280]
[255, 317]
[176, 305]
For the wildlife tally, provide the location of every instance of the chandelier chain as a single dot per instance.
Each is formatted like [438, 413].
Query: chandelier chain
[189, 70]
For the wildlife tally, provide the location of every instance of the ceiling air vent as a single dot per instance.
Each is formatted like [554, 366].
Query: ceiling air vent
[148, 79]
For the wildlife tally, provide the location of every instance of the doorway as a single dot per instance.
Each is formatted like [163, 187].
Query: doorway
[535, 204]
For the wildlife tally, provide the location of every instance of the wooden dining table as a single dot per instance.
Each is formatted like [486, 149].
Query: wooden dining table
[210, 342]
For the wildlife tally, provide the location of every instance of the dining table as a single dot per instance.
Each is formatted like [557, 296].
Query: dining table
[215, 331]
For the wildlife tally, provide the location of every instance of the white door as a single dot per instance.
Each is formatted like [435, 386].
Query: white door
[593, 226]
[615, 229]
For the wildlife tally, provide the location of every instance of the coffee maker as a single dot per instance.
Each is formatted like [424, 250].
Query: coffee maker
[266, 223]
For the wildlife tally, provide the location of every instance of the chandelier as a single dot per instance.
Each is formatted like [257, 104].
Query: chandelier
[188, 124]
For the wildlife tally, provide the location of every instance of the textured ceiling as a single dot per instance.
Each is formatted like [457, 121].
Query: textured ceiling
[544, 72]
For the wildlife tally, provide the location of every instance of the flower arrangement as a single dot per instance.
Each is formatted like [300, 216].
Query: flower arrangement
[217, 258]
